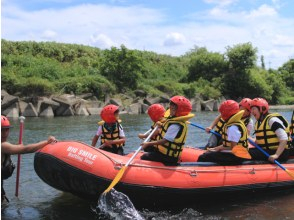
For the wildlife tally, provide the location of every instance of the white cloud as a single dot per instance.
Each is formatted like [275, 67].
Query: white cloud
[49, 35]
[101, 41]
[262, 11]
[282, 40]
[173, 39]
[142, 28]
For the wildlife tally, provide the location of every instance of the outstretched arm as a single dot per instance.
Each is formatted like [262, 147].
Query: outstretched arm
[8, 148]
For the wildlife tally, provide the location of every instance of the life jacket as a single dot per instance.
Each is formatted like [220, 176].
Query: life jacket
[219, 126]
[111, 133]
[7, 167]
[292, 125]
[265, 137]
[237, 121]
[173, 149]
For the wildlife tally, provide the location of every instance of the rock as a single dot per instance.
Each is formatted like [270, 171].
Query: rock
[47, 112]
[8, 100]
[12, 111]
[140, 93]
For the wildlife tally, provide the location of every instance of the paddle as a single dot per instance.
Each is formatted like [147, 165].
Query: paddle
[123, 169]
[21, 118]
[276, 162]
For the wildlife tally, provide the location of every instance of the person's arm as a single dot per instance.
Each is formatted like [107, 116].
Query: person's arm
[215, 121]
[153, 143]
[94, 140]
[279, 129]
[11, 149]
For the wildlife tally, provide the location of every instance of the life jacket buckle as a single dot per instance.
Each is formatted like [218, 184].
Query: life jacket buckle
[193, 173]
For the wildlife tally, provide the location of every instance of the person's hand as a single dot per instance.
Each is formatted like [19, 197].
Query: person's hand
[141, 136]
[159, 123]
[108, 143]
[208, 129]
[51, 139]
[144, 145]
[215, 149]
[273, 157]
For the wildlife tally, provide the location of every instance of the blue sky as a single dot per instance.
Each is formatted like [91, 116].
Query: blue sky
[171, 27]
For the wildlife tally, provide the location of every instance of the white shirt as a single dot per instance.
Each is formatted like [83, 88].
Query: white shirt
[234, 134]
[250, 126]
[281, 133]
[121, 131]
[172, 132]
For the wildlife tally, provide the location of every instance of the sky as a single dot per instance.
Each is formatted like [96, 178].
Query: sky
[172, 27]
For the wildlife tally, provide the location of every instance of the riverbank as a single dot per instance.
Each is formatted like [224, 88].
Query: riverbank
[282, 107]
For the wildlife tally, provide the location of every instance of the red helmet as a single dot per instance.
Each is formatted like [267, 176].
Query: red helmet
[184, 106]
[156, 112]
[5, 122]
[107, 113]
[228, 108]
[261, 104]
[246, 103]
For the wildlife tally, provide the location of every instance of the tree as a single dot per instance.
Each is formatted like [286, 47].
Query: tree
[241, 58]
[205, 64]
[122, 67]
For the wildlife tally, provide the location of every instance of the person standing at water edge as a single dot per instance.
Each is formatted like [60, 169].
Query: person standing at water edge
[156, 114]
[7, 149]
[171, 139]
[110, 130]
[271, 131]
[234, 138]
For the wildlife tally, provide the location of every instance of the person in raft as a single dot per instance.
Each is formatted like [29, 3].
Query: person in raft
[271, 132]
[219, 122]
[156, 114]
[292, 135]
[172, 136]
[245, 105]
[215, 140]
[110, 131]
[234, 147]
[8, 149]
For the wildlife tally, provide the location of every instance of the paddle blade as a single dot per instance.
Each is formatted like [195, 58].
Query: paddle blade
[290, 173]
[241, 151]
[116, 179]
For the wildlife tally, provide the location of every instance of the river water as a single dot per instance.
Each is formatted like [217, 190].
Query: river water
[37, 200]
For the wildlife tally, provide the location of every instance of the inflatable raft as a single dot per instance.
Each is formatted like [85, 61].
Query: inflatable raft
[84, 171]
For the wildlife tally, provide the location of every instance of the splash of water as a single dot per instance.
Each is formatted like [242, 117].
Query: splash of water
[117, 205]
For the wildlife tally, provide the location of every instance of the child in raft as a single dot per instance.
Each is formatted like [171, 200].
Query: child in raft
[172, 136]
[110, 130]
[156, 114]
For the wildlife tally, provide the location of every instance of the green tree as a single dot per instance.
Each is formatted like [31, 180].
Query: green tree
[241, 58]
[122, 67]
[205, 64]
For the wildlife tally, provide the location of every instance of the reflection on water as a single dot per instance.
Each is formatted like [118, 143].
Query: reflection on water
[37, 200]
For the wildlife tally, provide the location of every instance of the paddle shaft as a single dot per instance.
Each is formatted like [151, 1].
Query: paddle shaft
[123, 169]
[201, 127]
[21, 127]
[138, 150]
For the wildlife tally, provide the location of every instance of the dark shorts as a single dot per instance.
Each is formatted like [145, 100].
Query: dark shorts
[159, 157]
[220, 158]
[258, 155]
